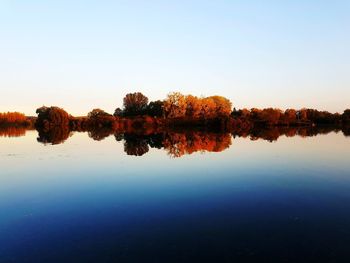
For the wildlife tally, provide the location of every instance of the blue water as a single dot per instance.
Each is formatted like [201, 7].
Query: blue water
[87, 201]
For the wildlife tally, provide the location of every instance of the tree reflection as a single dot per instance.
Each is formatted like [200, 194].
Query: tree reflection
[177, 142]
[273, 133]
[13, 131]
[100, 134]
[346, 131]
[54, 135]
[139, 144]
[135, 145]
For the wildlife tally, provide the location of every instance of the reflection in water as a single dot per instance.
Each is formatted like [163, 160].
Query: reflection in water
[179, 144]
[13, 131]
[100, 134]
[55, 135]
[346, 131]
[139, 144]
[175, 143]
[135, 145]
[254, 202]
[273, 133]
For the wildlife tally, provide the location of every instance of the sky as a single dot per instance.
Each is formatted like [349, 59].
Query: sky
[81, 55]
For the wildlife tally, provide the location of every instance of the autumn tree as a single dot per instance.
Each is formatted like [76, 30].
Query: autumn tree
[175, 105]
[193, 107]
[155, 108]
[135, 104]
[290, 116]
[208, 109]
[302, 115]
[98, 117]
[49, 117]
[268, 116]
[13, 118]
[243, 113]
[118, 112]
[223, 106]
[271, 116]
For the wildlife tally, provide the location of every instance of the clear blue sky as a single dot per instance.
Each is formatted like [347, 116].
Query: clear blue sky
[85, 54]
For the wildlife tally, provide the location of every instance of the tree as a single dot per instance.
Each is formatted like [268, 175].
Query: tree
[97, 113]
[290, 116]
[98, 117]
[175, 105]
[254, 114]
[270, 116]
[302, 115]
[155, 108]
[49, 117]
[193, 106]
[13, 118]
[223, 106]
[118, 112]
[208, 109]
[135, 104]
[346, 116]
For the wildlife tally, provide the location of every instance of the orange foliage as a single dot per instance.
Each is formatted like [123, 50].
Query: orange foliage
[178, 106]
[12, 131]
[49, 117]
[178, 144]
[12, 117]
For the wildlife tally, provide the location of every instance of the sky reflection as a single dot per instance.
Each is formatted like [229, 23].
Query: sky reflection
[84, 200]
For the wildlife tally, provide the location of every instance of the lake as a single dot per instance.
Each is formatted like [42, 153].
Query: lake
[196, 197]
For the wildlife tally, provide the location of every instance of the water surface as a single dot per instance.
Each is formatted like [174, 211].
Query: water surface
[225, 199]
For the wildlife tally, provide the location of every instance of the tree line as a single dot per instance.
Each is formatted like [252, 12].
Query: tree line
[190, 110]
[14, 118]
[175, 106]
[277, 117]
[176, 109]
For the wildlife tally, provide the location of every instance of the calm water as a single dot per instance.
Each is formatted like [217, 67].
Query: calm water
[88, 201]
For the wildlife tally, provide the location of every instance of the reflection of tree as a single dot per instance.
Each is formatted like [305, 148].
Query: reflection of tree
[346, 131]
[55, 135]
[100, 134]
[273, 133]
[155, 140]
[135, 145]
[138, 144]
[119, 137]
[178, 144]
[12, 131]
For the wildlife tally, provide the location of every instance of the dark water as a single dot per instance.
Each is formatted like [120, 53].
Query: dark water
[225, 200]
